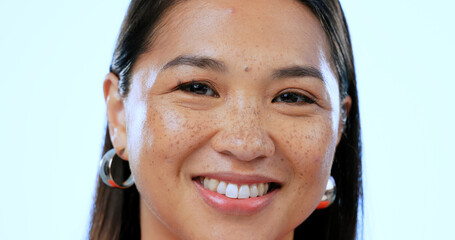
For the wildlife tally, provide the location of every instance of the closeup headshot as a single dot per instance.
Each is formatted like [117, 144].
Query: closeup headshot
[227, 119]
[231, 113]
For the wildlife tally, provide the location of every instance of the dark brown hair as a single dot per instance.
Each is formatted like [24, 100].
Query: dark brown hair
[115, 214]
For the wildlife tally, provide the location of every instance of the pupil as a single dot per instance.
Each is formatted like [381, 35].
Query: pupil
[197, 88]
[289, 97]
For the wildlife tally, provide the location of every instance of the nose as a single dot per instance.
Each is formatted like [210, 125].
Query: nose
[242, 135]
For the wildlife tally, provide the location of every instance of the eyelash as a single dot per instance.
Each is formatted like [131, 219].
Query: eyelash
[296, 98]
[195, 87]
[201, 88]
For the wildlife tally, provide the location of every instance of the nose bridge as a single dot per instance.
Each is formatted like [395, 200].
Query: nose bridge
[242, 133]
[246, 113]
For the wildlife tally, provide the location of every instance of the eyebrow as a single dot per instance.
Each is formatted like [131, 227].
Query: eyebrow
[219, 66]
[196, 61]
[297, 71]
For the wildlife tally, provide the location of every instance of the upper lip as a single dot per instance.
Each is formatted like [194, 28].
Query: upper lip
[237, 178]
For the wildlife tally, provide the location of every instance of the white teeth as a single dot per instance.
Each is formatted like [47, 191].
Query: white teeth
[254, 190]
[213, 183]
[260, 189]
[232, 191]
[206, 182]
[244, 191]
[221, 189]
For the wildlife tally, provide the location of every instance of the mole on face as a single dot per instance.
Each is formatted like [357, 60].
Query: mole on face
[246, 69]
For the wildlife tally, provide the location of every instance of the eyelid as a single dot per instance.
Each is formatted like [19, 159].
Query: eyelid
[181, 84]
[298, 91]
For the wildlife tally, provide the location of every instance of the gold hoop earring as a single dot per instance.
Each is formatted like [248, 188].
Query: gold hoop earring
[106, 173]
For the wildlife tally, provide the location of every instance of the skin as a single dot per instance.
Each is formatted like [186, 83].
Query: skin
[169, 136]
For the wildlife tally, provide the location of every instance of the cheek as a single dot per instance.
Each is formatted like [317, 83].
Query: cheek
[160, 143]
[159, 146]
[309, 141]
[309, 146]
[177, 133]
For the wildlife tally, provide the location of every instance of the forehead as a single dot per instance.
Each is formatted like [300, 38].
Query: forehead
[252, 29]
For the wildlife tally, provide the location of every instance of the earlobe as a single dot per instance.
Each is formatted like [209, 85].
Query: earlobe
[344, 113]
[115, 115]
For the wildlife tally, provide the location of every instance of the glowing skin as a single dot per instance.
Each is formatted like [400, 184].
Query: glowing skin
[245, 132]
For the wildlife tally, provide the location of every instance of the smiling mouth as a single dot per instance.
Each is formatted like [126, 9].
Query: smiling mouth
[237, 191]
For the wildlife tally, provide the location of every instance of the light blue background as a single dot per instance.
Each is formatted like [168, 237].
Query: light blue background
[54, 55]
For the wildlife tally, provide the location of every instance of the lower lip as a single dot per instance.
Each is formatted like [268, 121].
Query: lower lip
[234, 206]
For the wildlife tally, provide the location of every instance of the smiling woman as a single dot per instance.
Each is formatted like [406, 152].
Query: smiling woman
[236, 120]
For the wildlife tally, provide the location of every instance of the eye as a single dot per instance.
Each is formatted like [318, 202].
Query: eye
[294, 98]
[199, 88]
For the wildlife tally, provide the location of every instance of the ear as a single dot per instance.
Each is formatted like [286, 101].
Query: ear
[115, 115]
[344, 113]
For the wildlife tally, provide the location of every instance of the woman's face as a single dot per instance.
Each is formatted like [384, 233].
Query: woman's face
[240, 92]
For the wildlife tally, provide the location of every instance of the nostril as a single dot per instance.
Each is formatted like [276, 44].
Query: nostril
[244, 150]
[245, 154]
